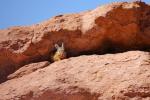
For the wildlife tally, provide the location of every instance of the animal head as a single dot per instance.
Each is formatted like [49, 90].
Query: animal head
[60, 48]
[60, 53]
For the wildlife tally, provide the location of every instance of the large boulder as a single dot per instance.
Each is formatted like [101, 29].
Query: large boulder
[111, 28]
[124, 76]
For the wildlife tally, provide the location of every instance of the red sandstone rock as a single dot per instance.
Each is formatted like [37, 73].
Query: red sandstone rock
[114, 27]
[124, 76]
[27, 69]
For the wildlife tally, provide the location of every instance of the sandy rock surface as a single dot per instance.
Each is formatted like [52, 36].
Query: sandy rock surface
[27, 69]
[124, 76]
[108, 56]
[110, 28]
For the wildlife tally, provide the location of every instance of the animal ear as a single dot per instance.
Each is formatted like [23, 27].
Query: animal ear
[56, 46]
[62, 45]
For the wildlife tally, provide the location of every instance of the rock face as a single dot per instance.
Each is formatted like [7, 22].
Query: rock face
[26, 52]
[27, 69]
[110, 28]
[124, 76]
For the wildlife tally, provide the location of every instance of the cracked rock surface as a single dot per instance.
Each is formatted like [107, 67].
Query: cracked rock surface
[108, 56]
[110, 28]
[27, 69]
[123, 76]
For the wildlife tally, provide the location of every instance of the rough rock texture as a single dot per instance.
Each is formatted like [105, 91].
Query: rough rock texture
[27, 69]
[110, 28]
[124, 76]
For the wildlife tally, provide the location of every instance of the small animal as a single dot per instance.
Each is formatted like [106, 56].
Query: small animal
[60, 53]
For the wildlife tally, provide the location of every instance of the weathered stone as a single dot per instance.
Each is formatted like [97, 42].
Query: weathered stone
[109, 28]
[124, 76]
[27, 69]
